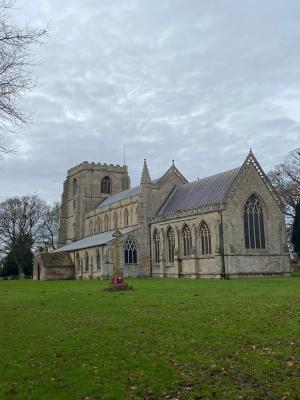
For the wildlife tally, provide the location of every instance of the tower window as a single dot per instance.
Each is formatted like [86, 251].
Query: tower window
[106, 185]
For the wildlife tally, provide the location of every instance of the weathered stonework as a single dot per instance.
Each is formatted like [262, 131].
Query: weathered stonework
[88, 214]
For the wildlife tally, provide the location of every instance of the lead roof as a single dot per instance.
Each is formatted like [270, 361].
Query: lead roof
[205, 191]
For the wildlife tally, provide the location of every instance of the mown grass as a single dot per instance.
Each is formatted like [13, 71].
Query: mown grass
[167, 339]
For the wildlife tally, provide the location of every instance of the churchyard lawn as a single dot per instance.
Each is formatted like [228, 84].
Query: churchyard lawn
[167, 339]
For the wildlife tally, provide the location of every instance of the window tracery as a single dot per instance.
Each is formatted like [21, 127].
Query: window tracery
[106, 185]
[130, 252]
[205, 238]
[171, 245]
[254, 224]
[187, 241]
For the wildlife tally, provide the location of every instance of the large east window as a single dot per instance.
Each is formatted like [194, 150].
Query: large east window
[254, 224]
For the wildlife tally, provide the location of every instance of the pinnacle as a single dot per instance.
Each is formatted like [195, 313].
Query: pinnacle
[145, 174]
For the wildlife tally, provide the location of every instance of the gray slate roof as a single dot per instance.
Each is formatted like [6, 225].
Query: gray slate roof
[209, 190]
[95, 240]
[120, 196]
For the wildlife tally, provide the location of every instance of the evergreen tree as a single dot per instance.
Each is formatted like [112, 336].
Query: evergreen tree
[22, 250]
[296, 231]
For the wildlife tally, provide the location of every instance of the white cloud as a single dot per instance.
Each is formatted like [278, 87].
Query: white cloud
[198, 82]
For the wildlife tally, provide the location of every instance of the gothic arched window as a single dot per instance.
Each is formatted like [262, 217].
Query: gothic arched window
[254, 224]
[97, 225]
[170, 245]
[78, 262]
[86, 262]
[91, 229]
[115, 220]
[75, 187]
[205, 238]
[187, 241]
[130, 252]
[100, 225]
[125, 217]
[156, 245]
[106, 222]
[98, 260]
[106, 185]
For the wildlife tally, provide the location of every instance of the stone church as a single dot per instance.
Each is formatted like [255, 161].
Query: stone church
[228, 225]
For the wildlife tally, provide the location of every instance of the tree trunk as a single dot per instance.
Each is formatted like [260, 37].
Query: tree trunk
[20, 268]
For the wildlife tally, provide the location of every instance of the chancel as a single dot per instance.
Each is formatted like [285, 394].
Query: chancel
[228, 225]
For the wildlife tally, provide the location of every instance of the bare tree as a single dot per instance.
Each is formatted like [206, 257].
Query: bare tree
[15, 71]
[286, 180]
[21, 225]
[50, 226]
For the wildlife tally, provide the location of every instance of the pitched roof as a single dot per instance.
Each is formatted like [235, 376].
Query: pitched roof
[209, 190]
[95, 240]
[170, 171]
[120, 196]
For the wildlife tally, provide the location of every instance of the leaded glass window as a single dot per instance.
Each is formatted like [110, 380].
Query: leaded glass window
[86, 262]
[98, 260]
[78, 262]
[106, 185]
[254, 224]
[205, 238]
[156, 243]
[171, 245]
[130, 252]
[187, 241]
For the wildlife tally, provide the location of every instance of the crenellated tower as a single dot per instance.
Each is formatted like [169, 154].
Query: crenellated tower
[86, 186]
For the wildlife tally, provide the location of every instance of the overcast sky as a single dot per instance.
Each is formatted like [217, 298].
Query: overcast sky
[195, 81]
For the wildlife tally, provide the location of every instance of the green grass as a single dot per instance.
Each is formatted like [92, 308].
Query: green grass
[167, 339]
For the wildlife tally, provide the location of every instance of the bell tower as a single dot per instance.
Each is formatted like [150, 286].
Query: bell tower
[86, 186]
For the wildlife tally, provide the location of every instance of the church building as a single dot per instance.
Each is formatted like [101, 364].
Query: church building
[228, 225]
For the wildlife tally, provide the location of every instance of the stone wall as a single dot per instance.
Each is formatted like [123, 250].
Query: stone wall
[274, 258]
[226, 225]
[82, 193]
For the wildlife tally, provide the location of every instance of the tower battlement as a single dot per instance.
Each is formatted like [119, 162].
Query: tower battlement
[86, 165]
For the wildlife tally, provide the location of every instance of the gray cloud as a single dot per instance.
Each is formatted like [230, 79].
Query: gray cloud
[198, 82]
